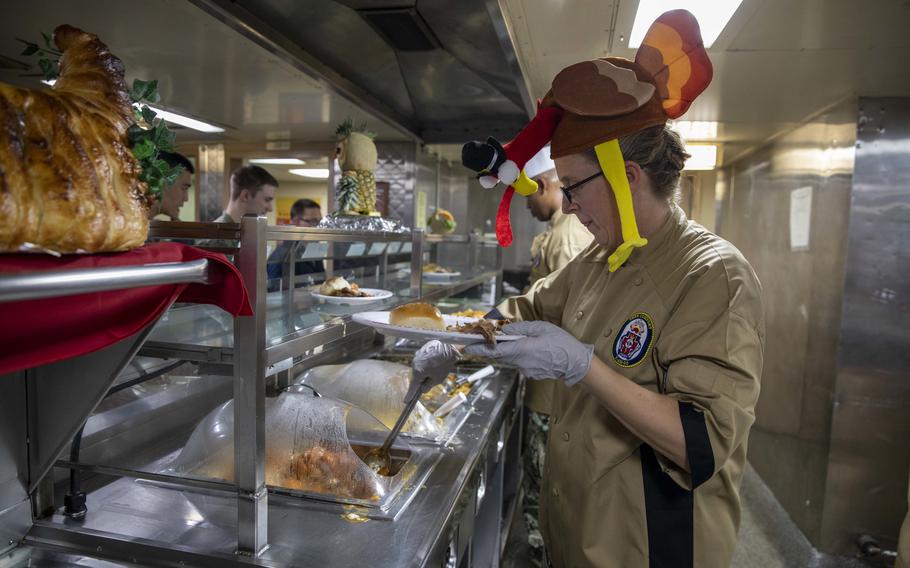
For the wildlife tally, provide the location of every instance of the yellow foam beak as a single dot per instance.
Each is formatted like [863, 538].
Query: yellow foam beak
[524, 185]
[614, 168]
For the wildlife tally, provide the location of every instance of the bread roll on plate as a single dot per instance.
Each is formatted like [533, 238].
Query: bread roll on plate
[418, 314]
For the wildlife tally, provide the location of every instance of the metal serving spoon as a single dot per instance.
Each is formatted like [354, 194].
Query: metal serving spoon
[379, 459]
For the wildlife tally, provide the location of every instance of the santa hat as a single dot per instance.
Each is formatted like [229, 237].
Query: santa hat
[594, 103]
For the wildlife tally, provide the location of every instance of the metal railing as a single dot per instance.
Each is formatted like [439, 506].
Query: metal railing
[57, 283]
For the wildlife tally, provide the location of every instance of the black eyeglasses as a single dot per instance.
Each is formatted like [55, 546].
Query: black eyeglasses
[566, 190]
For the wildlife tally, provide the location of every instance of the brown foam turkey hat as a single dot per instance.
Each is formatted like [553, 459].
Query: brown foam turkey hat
[609, 98]
[592, 104]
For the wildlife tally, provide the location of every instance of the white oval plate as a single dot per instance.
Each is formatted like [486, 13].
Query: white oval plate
[380, 321]
[375, 295]
[436, 277]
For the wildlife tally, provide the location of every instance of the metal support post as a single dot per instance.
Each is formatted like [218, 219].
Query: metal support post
[249, 393]
[499, 279]
[417, 262]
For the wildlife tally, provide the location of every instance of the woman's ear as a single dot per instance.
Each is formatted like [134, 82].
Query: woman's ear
[634, 174]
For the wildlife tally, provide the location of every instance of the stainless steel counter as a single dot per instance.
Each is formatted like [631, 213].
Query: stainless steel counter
[160, 525]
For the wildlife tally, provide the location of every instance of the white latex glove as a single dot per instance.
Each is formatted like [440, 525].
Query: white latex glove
[431, 365]
[548, 352]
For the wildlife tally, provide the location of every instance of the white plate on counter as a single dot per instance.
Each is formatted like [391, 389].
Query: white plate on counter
[375, 295]
[436, 277]
[380, 322]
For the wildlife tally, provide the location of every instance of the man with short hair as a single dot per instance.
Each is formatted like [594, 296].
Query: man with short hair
[252, 193]
[304, 213]
[175, 195]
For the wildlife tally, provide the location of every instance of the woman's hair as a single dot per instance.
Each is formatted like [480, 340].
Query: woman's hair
[660, 152]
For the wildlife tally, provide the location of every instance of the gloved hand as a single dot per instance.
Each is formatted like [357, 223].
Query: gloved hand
[548, 352]
[431, 365]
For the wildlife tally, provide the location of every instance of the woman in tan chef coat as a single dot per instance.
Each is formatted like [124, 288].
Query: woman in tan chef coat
[654, 332]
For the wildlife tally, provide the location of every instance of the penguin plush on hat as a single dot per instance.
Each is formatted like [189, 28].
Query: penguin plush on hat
[594, 103]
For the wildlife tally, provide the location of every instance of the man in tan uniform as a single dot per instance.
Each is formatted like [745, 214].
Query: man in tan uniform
[655, 336]
[563, 239]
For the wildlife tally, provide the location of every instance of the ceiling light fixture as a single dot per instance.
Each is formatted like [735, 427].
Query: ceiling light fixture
[277, 161]
[175, 118]
[318, 173]
[186, 121]
[703, 157]
[695, 129]
[712, 16]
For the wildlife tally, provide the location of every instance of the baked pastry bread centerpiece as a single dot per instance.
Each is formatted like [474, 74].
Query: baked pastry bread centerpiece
[69, 181]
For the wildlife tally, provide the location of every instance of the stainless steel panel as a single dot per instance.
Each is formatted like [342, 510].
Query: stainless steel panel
[867, 471]
[14, 524]
[802, 291]
[13, 436]
[211, 182]
[396, 165]
[61, 396]
[15, 511]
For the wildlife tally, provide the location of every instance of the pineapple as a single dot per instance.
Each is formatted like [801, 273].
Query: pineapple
[357, 158]
[348, 194]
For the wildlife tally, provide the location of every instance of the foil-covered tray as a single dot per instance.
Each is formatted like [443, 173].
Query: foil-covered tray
[364, 223]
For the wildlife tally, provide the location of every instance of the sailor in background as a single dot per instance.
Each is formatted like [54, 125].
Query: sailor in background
[552, 249]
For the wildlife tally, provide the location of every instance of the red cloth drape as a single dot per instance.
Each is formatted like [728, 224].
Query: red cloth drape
[37, 332]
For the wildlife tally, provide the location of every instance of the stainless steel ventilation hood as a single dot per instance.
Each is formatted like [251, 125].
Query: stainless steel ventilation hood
[442, 71]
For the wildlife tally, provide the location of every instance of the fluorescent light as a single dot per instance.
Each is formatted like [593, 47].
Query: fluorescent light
[319, 173]
[712, 16]
[278, 161]
[186, 121]
[49, 82]
[704, 157]
[695, 129]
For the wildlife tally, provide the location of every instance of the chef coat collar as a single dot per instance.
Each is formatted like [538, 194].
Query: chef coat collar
[671, 229]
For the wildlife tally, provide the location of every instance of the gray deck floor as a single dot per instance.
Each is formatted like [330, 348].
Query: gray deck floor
[768, 538]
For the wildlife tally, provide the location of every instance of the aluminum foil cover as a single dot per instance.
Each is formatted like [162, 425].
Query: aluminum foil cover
[364, 223]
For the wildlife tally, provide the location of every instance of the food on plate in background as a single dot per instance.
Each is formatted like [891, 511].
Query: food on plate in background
[470, 313]
[338, 286]
[418, 314]
[433, 268]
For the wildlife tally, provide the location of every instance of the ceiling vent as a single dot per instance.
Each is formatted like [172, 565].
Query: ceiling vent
[403, 28]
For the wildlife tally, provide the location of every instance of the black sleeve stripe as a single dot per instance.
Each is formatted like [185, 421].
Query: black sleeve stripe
[698, 445]
[669, 511]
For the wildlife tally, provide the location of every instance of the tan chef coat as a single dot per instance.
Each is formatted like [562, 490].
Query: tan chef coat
[683, 317]
[552, 249]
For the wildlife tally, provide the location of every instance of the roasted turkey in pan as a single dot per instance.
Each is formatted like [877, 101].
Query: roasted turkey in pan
[68, 179]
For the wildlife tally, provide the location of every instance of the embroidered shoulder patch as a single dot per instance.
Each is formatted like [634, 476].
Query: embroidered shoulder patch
[633, 342]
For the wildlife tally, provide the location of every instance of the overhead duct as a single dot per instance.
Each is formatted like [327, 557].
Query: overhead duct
[403, 28]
